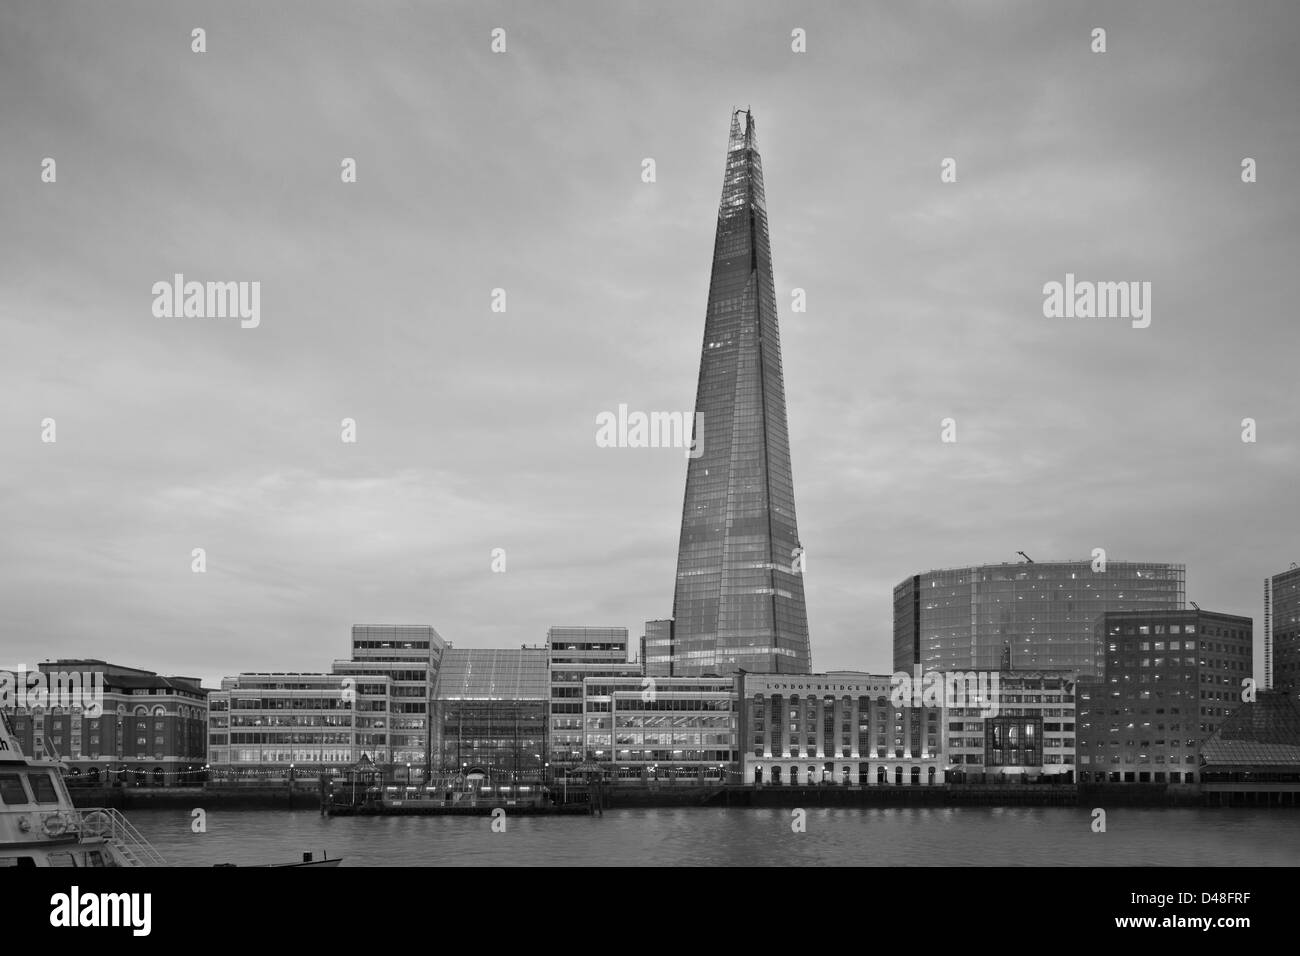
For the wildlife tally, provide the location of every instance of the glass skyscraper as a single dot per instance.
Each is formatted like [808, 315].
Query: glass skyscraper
[1040, 614]
[739, 600]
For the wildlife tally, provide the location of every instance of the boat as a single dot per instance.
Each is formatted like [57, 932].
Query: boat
[454, 797]
[308, 859]
[40, 827]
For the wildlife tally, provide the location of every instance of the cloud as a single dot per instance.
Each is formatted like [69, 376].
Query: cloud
[523, 171]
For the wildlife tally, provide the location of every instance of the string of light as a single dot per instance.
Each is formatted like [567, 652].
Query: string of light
[220, 774]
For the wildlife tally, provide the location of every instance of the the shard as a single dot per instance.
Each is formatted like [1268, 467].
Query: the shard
[739, 601]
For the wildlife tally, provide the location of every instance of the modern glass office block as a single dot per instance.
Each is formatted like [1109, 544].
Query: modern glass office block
[1027, 616]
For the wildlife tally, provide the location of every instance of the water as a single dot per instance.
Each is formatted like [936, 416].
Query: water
[913, 836]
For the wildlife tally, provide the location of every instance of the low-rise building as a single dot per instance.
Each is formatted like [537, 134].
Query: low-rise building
[1031, 735]
[140, 729]
[1254, 756]
[661, 728]
[837, 728]
[274, 725]
[489, 712]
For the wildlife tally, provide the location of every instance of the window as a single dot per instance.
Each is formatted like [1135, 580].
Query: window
[11, 789]
[43, 787]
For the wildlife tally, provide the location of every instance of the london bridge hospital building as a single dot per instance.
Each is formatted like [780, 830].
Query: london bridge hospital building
[835, 728]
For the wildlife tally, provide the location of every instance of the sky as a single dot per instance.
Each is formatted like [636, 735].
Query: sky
[522, 170]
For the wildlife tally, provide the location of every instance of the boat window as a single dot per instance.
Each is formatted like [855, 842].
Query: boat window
[12, 792]
[43, 788]
[22, 862]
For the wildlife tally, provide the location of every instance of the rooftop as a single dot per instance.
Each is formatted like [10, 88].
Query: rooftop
[1261, 733]
[493, 674]
[1028, 565]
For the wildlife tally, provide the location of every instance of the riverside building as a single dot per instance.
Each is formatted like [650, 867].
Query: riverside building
[673, 729]
[836, 728]
[277, 725]
[409, 655]
[148, 730]
[1032, 735]
[574, 654]
[490, 712]
[1170, 679]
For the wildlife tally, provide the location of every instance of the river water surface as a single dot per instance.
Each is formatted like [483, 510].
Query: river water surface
[912, 836]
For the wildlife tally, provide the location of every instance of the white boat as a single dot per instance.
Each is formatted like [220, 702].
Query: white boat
[40, 827]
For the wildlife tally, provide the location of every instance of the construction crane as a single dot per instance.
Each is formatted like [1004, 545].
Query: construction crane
[1194, 604]
[1025, 556]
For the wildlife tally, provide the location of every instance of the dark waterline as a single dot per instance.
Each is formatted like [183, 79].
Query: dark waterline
[913, 836]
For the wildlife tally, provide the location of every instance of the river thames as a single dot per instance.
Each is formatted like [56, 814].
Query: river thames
[914, 836]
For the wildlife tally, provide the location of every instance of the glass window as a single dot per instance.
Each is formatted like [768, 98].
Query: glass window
[43, 788]
[11, 789]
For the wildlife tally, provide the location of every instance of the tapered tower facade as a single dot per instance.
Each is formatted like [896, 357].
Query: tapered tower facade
[739, 600]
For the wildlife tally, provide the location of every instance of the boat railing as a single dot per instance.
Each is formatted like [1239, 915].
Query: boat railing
[110, 824]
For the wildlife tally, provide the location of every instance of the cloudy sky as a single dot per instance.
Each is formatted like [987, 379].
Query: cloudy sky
[522, 171]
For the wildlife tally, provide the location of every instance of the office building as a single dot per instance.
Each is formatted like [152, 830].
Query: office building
[673, 729]
[1282, 609]
[409, 656]
[269, 725]
[490, 714]
[1169, 680]
[1031, 736]
[575, 653]
[1041, 614]
[657, 648]
[739, 599]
